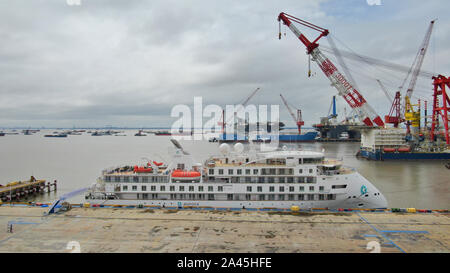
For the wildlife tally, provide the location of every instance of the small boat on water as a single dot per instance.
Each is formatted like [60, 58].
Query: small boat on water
[162, 133]
[2, 134]
[56, 135]
[214, 139]
[140, 133]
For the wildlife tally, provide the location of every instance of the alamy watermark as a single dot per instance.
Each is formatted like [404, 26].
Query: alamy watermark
[234, 123]
[73, 2]
[74, 247]
[374, 2]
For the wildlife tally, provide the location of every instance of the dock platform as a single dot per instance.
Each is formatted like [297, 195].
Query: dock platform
[202, 231]
[20, 190]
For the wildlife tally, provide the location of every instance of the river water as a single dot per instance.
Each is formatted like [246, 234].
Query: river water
[76, 162]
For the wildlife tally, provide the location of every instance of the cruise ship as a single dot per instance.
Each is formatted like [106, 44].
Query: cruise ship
[237, 179]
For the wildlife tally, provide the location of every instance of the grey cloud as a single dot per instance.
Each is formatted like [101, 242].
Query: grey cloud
[129, 62]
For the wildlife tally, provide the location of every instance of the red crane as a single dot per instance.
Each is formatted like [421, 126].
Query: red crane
[298, 120]
[345, 89]
[442, 89]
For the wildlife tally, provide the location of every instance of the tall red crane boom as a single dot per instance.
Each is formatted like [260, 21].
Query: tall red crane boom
[345, 89]
[298, 120]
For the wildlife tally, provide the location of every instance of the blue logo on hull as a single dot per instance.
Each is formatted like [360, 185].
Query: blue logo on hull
[363, 190]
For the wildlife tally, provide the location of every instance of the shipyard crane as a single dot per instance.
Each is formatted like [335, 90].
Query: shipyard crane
[412, 117]
[385, 91]
[375, 62]
[419, 60]
[345, 89]
[241, 105]
[395, 116]
[441, 106]
[297, 119]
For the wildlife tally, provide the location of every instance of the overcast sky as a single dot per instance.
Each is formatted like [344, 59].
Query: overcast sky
[128, 62]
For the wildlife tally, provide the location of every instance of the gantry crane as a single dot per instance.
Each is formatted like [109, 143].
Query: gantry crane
[344, 87]
[298, 120]
[441, 89]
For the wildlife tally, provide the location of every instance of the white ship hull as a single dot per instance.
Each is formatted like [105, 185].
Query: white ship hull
[336, 204]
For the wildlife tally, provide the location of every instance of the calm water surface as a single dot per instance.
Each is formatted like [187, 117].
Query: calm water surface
[76, 162]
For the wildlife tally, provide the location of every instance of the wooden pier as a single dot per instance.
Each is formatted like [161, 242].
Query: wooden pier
[20, 190]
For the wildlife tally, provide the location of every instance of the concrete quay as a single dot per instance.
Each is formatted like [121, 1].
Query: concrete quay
[191, 231]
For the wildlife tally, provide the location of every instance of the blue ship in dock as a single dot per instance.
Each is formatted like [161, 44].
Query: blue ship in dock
[381, 155]
[307, 137]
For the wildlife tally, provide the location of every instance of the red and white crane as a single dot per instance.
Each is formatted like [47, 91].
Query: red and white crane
[407, 113]
[345, 89]
[419, 60]
[297, 119]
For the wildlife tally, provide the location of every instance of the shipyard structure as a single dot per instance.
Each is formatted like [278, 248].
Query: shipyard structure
[391, 144]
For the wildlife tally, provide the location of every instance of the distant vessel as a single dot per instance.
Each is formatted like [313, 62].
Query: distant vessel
[2, 134]
[140, 133]
[238, 179]
[162, 133]
[56, 135]
[307, 137]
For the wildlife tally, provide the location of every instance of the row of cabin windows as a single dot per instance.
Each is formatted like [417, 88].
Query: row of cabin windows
[143, 179]
[246, 197]
[310, 160]
[261, 179]
[220, 188]
[289, 179]
[264, 171]
[282, 161]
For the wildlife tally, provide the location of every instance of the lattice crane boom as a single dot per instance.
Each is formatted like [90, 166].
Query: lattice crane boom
[420, 58]
[345, 89]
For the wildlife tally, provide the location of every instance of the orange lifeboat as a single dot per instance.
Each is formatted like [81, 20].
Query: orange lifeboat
[404, 149]
[142, 169]
[186, 174]
[389, 150]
